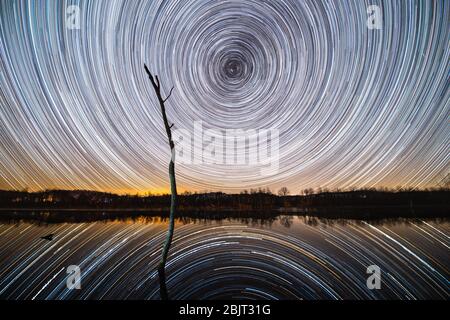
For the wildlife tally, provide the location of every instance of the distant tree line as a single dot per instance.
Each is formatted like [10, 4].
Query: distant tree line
[248, 200]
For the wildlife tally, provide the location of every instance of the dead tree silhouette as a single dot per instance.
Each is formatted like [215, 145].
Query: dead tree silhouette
[173, 186]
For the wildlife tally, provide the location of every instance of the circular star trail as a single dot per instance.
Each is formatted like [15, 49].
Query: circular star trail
[354, 106]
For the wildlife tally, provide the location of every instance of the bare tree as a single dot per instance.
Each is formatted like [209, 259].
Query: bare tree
[283, 191]
[173, 185]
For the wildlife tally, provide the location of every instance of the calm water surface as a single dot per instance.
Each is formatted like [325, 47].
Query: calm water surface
[289, 258]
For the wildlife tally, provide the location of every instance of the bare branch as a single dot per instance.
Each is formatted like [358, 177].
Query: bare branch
[146, 70]
[170, 93]
[155, 86]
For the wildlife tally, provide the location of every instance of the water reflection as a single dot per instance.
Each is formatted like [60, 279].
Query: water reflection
[281, 257]
[42, 217]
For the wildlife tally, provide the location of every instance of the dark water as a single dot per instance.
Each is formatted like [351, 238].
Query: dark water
[289, 258]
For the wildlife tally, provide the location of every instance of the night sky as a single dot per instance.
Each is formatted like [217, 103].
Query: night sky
[354, 106]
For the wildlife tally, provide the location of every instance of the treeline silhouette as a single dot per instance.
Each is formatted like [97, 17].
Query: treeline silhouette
[254, 202]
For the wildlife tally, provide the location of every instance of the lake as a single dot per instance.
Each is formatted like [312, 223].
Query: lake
[289, 257]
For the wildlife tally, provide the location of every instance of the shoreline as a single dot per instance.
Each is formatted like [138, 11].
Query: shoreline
[59, 215]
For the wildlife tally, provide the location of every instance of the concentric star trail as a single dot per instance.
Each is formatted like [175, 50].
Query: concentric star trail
[311, 259]
[354, 106]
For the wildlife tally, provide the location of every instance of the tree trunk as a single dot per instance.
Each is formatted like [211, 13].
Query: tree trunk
[173, 187]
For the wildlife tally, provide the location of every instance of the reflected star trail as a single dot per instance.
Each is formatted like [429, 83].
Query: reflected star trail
[310, 259]
[354, 106]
